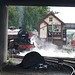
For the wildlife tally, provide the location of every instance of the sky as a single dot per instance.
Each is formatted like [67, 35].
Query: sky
[70, 31]
[66, 14]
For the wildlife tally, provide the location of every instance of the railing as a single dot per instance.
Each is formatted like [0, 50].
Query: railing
[50, 34]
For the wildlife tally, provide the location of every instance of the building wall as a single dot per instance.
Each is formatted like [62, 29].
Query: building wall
[43, 30]
[73, 37]
[55, 21]
[57, 38]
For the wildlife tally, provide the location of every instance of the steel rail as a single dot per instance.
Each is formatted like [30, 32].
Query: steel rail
[56, 60]
[61, 63]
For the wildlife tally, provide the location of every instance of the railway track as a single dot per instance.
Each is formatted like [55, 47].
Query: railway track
[68, 62]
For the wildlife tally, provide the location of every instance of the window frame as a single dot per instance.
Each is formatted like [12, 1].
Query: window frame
[59, 30]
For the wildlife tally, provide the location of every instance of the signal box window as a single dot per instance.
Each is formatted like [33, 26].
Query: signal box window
[56, 28]
[50, 19]
[50, 28]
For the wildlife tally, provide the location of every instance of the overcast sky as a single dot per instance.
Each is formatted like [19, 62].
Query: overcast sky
[67, 14]
[70, 31]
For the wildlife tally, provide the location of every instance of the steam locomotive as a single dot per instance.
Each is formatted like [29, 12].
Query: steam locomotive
[21, 42]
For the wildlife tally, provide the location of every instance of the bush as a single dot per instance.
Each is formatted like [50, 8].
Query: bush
[10, 62]
[8, 56]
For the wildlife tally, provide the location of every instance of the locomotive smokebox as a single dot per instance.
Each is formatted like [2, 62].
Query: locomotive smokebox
[33, 60]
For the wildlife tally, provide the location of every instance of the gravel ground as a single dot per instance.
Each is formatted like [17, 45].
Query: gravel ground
[13, 69]
[36, 73]
[16, 60]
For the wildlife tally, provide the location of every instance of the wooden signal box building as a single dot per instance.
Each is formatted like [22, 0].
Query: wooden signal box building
[51, 29]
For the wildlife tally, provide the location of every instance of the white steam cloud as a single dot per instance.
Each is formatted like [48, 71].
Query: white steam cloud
[48, 49]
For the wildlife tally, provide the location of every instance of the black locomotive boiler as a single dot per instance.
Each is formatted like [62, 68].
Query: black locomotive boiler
[21, 42]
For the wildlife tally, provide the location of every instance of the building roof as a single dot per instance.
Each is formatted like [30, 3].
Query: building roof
[42, 20]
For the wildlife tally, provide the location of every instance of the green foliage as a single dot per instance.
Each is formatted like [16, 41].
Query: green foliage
[69, 36]
[54, 12]
[8, 56]
[32, 14]
[12, 16]
[10, 62]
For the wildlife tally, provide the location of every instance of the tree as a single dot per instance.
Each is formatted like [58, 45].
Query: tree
[27, 16]
[12, 16]
[32, 14]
